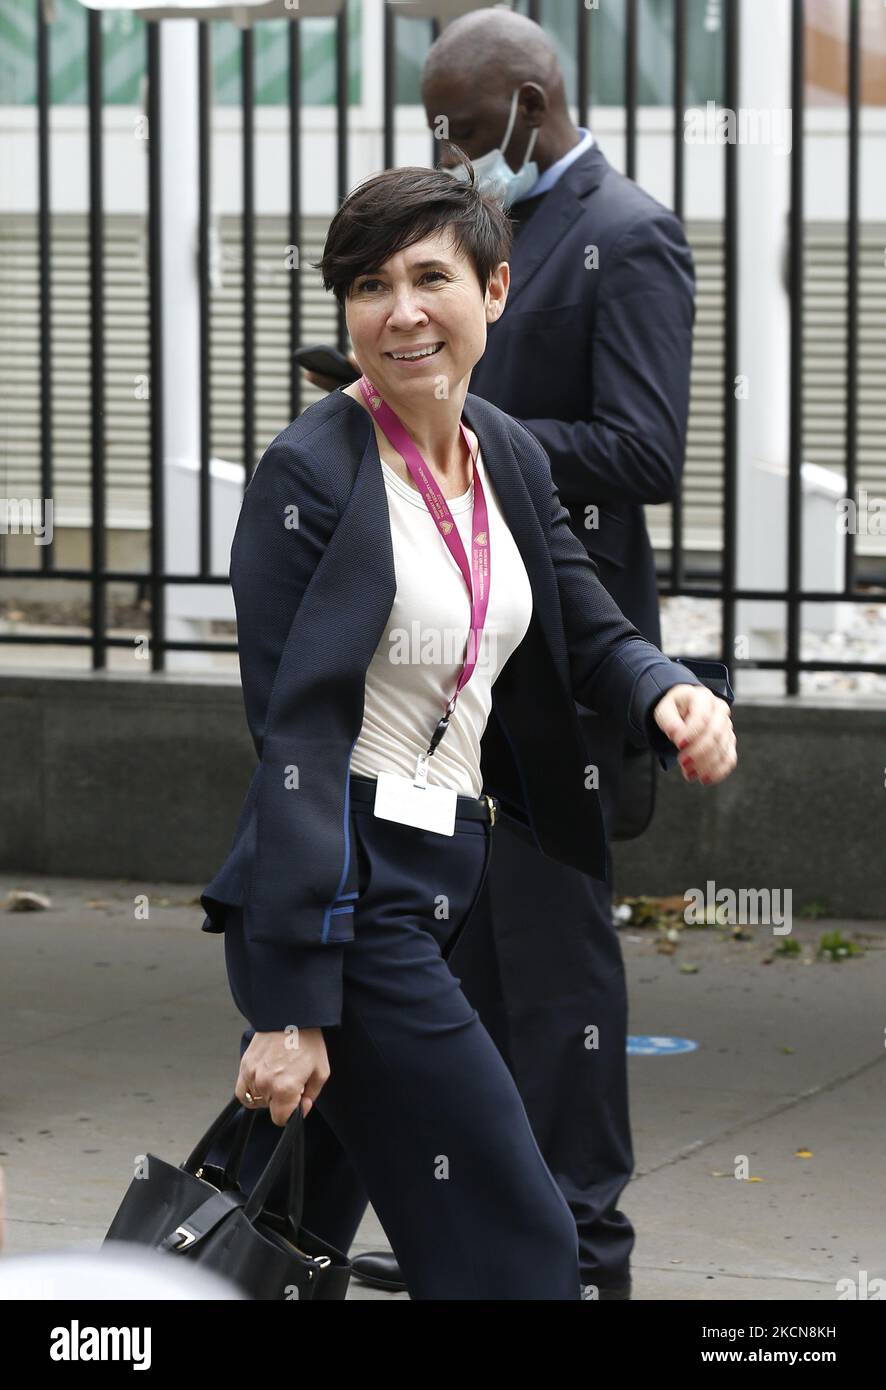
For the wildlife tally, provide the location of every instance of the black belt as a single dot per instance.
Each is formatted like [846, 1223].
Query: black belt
[483, 807]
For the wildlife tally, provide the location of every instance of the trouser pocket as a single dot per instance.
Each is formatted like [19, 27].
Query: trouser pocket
[450, 944]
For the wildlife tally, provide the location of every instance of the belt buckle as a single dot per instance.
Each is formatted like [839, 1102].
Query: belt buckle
[492, 810]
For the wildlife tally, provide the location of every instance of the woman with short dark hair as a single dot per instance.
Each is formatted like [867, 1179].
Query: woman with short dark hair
[416, 620]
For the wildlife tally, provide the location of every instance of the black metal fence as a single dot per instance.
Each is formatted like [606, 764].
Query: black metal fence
[681, 580]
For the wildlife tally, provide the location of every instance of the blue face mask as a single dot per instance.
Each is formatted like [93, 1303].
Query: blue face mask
[494, 174]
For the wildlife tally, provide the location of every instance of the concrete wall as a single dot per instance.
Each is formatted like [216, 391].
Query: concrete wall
[805, 809]
[142, 777]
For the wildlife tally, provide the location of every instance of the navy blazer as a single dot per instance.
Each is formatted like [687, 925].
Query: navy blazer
[596, 362]
[312, 572]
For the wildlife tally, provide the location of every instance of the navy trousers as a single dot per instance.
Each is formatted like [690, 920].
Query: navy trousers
[542, 963]
[421, 1113]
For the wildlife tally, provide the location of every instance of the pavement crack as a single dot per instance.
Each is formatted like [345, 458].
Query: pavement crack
[689, 1150]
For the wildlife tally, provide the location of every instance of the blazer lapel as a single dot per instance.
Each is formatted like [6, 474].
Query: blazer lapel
[522, 517]
[353, 587]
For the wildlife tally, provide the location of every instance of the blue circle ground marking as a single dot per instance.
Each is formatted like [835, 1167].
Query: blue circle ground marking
[651, 1045]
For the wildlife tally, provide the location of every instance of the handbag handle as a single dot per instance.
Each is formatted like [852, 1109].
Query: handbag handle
[295, 1194]
[234, 1161]
[198, 1154]
[290, 1149]
[290, 1146]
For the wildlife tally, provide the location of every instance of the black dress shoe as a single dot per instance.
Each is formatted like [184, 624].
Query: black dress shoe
[379, 1269]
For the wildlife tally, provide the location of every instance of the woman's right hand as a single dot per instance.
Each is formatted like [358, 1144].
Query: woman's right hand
[281, 1069]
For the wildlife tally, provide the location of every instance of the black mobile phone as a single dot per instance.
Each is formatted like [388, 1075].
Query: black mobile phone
[326, 361]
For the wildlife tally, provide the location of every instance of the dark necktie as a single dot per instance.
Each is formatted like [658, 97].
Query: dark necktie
[520, 213]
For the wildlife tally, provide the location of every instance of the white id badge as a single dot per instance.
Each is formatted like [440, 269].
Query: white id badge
[427, 808]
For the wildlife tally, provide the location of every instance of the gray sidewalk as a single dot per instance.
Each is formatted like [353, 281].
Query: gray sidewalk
[120, 1035]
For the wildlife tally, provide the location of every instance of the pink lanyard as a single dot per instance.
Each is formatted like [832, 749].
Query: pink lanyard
[481, 564]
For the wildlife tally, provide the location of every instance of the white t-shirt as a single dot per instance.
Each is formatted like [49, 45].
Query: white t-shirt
[417, 663]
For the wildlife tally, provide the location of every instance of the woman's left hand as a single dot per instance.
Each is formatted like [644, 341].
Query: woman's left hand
[699, 723]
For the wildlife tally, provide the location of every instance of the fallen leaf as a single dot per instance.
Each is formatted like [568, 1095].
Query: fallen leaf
[22, 900]
[677, 903]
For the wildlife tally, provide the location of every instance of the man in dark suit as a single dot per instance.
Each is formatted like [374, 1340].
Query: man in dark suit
[592, 355]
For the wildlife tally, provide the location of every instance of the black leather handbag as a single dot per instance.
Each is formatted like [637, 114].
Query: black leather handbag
[197, 1211]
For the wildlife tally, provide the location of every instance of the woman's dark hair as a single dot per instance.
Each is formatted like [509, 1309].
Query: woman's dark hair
[399, 207]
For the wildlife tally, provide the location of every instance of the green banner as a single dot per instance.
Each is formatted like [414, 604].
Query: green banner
[124, 54]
